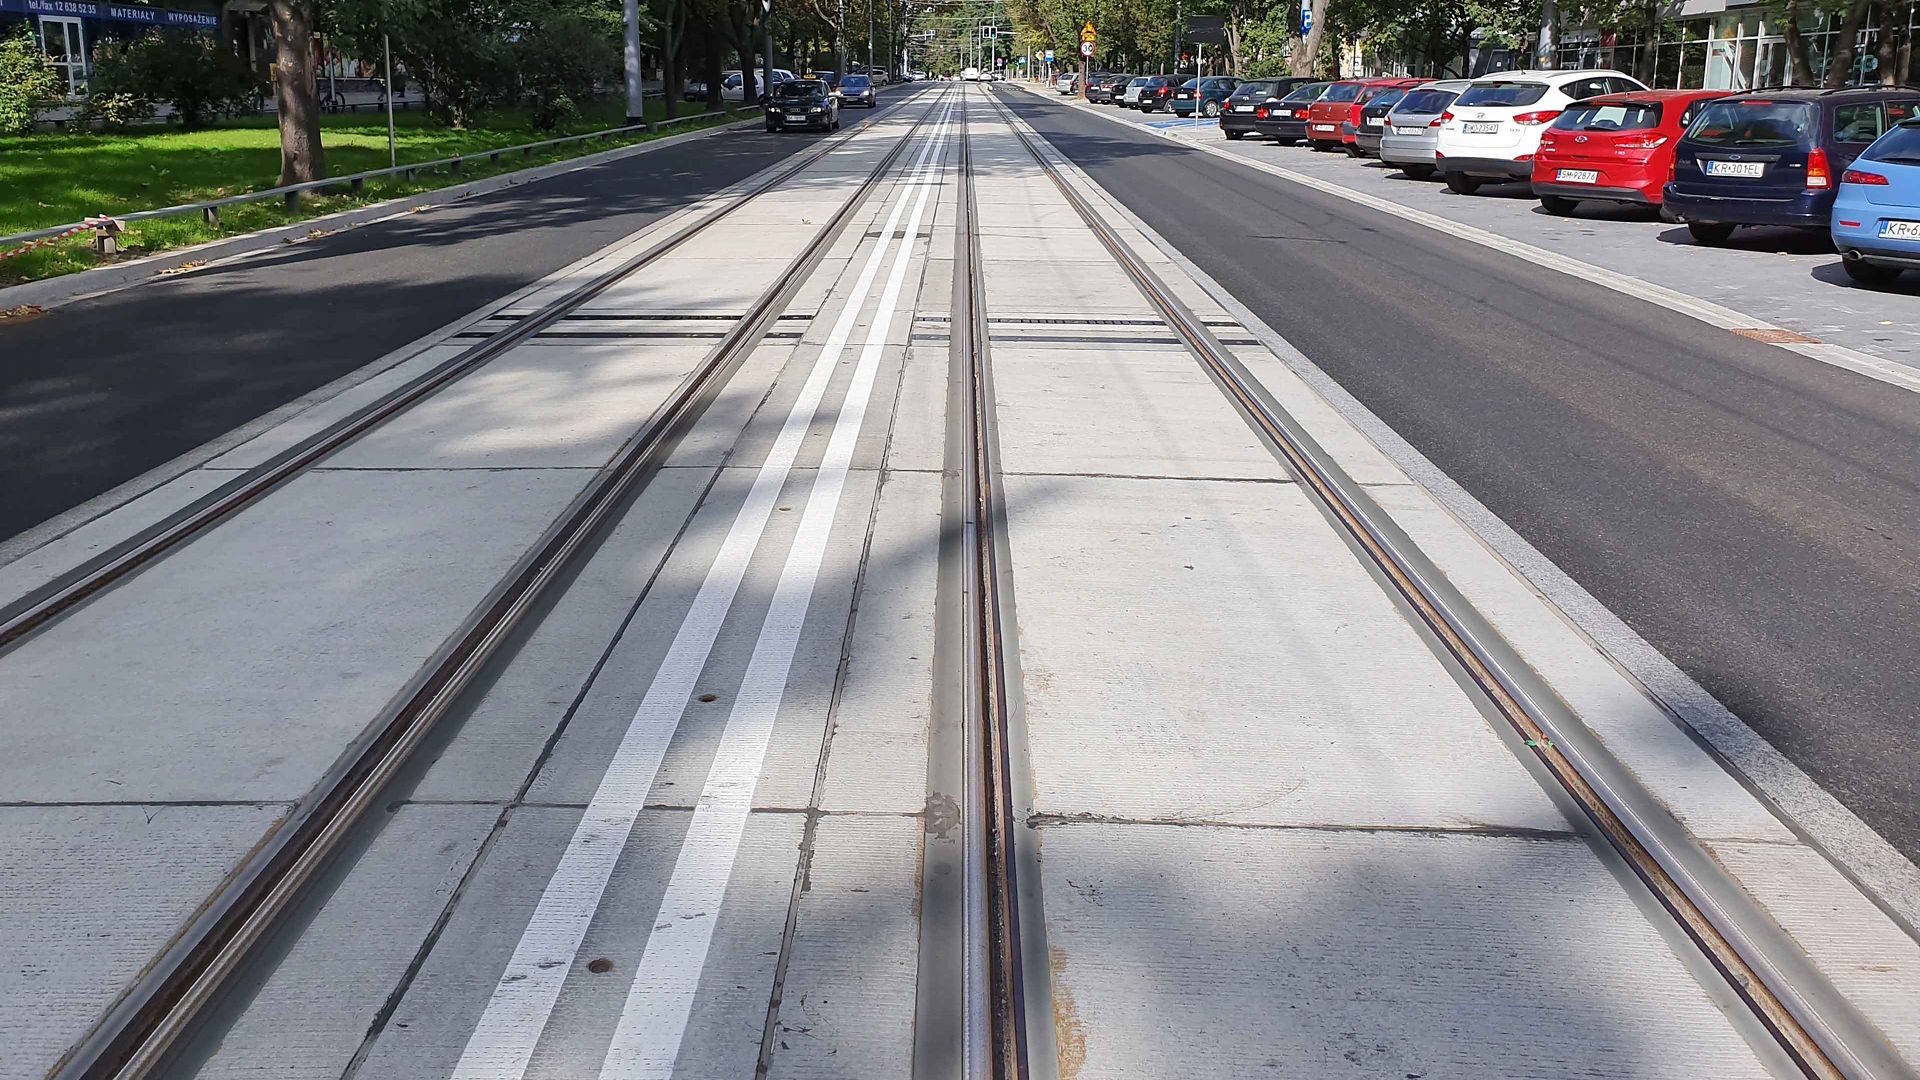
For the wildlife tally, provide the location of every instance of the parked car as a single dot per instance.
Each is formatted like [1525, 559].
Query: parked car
[1129, 96]
[1876, 215]
[857, 90]
[1329, 111]
[1236, 112]
[1772, 157]
[734, 87]
[1203, 95]
[1493, 128]
[1105, 88]
[1349, 119]
[1371, 126]
[1614, 148]
[803, 103]
[1066, 84]
[1412, 127]
[1154, 94]
[1285, 121]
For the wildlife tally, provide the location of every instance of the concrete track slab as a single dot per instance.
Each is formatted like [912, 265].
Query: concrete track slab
[56, 557]
[1319, 705]
[918, 442]
[312, 1015]
[538, 407]
[1023, 287]
[72, 940]
[1093, 411]
[693, 285]
[199, 680]
[1211, 952]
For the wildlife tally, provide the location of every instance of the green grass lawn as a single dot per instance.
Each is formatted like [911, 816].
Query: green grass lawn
[55, 178]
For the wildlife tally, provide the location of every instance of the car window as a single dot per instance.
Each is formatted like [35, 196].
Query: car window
[1219, 84]
[1142, 81]
[1343, 92]
[1901, 146]
[1692, 111]
[1859, 122]
[1502, 94]
[1627, 117]
[1588, 87]
[854, 82]
[800, 89]
[732, 83]
[1305, 94]
[1384, 100]
[1425, 102]
[1253, 91]
[1620, 85]
[1753, 122]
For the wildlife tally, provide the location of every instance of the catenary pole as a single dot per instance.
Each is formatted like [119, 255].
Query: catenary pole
[393, 151]
[636, 101]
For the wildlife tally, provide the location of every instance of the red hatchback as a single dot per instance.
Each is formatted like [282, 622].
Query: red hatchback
[1615, 147]
[1336, 116]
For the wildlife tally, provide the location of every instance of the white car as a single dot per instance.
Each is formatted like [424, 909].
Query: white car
[1130, 98]
[971, 74]
[1492, 130]
[1066, 84]
[733, 87]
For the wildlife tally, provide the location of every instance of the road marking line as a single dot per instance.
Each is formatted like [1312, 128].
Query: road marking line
[1891, 372]
[654, 1020]
[503, 1041]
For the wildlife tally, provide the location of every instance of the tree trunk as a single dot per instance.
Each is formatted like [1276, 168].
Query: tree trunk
[294, 92]
[1799, 64]
[672, 69]
[1307, 54]
[715, 48]
[1846, 45]
[1547, 49]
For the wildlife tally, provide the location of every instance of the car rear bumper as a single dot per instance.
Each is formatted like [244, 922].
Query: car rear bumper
[1863, 241]
[1368, 141]
[1238, 122]
[1649, 196]
[1281, 129]
[1811, 210]
[1315, 134]
[1502, 168]
[1406, 150]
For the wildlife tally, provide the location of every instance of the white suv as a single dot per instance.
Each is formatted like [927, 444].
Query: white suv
[1492, 130]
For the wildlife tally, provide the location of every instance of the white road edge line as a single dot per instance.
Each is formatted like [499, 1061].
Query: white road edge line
[502, 1043]
[1891, 372]
[653, 1022]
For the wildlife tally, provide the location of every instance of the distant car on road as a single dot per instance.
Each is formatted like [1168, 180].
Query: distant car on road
[803, 103]
[1285, 121]
[1876, 215]
[1614, 148]
[1774, 157]
[857, 90]
[1204, 95]
[1493, 128]
[971, 74]
[1412, 127]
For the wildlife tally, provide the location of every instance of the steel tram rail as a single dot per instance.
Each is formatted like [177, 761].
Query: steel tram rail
[134, 1035]
[1817, 1028]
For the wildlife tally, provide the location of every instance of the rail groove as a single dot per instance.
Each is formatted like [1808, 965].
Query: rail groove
[133, 1037]
[1817, 1028]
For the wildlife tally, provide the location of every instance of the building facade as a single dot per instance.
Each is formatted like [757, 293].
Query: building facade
[68, 30]
[1733, 45]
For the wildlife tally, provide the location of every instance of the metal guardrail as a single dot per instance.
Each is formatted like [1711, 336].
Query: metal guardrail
[210, 209]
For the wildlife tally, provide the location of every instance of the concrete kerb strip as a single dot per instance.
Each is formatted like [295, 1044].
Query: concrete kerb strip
[1890, 372]
[1883, 874]
[67, 288]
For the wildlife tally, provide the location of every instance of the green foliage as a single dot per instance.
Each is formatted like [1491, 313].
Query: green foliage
[202, 79]
[457, 50]
[562, 60]
[28, 80]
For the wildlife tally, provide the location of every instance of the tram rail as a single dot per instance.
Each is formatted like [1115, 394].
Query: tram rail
[134, 1035]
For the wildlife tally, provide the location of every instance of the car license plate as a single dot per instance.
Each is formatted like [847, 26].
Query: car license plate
[1577, 176]
[1323, 127]
[1900, 230]
[1407, 130]
[1751, 170]
[1491, 127]
[1372, 121]
[796, 114]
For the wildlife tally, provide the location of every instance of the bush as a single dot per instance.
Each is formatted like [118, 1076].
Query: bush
[561, 63]
[199, 77]
[28, 80]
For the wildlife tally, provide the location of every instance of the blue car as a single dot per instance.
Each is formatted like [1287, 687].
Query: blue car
[1775, 157]
[1876, 216]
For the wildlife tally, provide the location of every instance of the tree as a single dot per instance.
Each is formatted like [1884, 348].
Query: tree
[295, 93]
[28, 81]
[562, 60]
[197, 75]
[459, 51]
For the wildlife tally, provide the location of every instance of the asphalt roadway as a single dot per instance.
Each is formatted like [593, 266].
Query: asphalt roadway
[1753, 514]
[96, 393]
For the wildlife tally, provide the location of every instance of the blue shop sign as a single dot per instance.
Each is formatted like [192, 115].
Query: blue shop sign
[75, 9]
[105, 9]
[133, 13]
[189, 18]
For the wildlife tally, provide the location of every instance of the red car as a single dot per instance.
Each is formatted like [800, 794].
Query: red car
[1336, 116]
[1614, 148]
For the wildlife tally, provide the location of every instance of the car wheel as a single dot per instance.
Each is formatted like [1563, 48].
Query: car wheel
[1233, 136]
[1286, 142]
[1710, 232]
[1418, 172]
[1462, 184]
[771, 129]
[1355, 151]
[1867, 273]
[1213, 108]
[1558, 205]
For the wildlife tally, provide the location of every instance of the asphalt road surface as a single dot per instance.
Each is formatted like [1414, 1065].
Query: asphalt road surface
[1753, 514]
[97, 392]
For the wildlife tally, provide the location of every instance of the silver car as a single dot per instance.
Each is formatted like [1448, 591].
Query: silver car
[1131, 99]
[1412, 128]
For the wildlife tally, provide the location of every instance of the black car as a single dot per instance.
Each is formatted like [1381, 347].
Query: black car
[1236, 112]
[857, 90]
[1775, 157]
[1106, 89]
[1156, 93]
[1373, 121]
[803, 103]
[1285, 121]
[1203, 95]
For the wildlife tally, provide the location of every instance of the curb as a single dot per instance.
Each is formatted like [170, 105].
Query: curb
[67, 288]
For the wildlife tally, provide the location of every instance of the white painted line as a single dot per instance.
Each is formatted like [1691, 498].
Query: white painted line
[503, 1041]
[654, 1021]
[1891, 372]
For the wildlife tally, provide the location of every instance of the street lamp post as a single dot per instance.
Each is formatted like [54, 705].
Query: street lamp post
[766, 49]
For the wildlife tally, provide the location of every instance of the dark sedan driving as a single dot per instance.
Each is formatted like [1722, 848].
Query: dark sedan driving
[803, 103]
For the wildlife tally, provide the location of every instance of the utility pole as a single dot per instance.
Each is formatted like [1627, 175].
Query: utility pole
[636, 100]
[766, 49]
